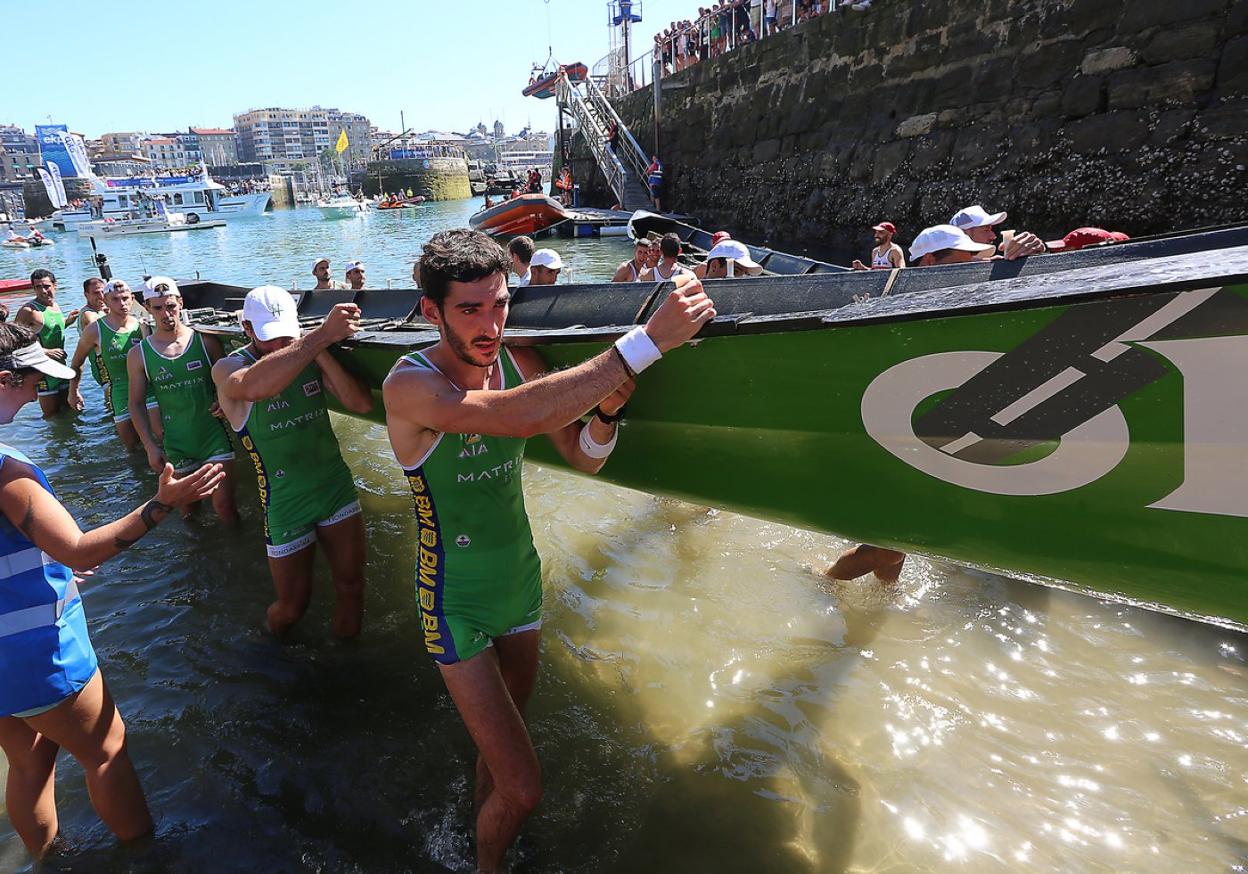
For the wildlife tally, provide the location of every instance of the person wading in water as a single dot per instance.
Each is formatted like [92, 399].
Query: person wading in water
[459, 414]
[272, 392]
[176, 362]
[52, 695]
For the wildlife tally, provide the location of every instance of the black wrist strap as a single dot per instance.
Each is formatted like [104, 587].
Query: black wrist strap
[623, 360]
[609, 420]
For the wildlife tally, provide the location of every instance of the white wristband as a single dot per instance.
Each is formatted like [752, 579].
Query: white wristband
[592, 447]
[638, 350]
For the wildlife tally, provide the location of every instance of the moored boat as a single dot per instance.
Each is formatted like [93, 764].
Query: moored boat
[341, 207]
[1076, 418]
[526, 214]
[172, 223]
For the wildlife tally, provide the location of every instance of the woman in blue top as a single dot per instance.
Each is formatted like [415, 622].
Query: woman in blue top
[51, 692]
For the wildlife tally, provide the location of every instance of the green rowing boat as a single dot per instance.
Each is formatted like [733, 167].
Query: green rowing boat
[1080, 419]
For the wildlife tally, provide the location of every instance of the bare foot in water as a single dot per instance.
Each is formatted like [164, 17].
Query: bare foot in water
[863, 559]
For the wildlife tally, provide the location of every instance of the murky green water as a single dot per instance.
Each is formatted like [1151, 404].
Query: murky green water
[707, 701]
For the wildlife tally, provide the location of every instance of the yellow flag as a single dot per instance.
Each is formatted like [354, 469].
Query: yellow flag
[342, 144]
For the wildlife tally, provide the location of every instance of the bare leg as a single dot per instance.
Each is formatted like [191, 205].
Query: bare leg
[50, 405]
[292, 580]
[497, 728]
[344, 549]
[129, 436]
[90, 729]
[517, 660]
[863, 558]
[28, 793]
[223, 497]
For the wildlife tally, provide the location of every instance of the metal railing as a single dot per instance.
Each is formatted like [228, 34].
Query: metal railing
[594, 116]
[697, 42]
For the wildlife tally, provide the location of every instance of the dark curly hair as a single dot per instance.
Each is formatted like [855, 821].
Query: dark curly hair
[458, 255]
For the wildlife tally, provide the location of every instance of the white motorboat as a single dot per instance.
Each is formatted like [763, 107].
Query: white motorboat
[196, 195]
[342, 206]
[173, 222]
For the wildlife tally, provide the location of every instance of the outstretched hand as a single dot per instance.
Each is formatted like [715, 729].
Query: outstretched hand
[176, 491]
[682, 315]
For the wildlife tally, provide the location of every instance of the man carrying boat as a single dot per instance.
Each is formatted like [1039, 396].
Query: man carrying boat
[459, 414]
[668, 267]
[176, 362]
[355, 275]
[545, 267]
[43, 316]
[520, 251]
[109, 340]
[886, 255]
[320, 269]
[630, 270]
[272, 392]
[93, 294]
[730, 259]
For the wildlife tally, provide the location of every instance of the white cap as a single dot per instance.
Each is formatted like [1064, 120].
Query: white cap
[354, 265]
[976, 217]
[271, 312]
[318, 261]
[32, 355]
[738, 252]
[159, 286]
[939, 237]
[546, 258]
[112, 285]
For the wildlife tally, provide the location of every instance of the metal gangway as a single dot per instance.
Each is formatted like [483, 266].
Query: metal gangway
[625, 166]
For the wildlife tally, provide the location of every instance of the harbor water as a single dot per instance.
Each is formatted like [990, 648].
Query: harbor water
[707, 700]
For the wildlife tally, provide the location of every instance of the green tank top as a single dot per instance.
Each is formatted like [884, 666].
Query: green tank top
[290, 441]
[52, 335]
[94, 358]
[184, 390]
[470, 501]
[113, 349]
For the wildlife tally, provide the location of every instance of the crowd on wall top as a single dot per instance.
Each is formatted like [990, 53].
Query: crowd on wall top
[731, 23]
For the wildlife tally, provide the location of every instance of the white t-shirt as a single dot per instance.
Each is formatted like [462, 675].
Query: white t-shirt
[525, 279]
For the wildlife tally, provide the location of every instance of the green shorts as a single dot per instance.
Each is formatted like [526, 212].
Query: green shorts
[190, 448]
[117, 399]
[462, 614]
[52, 385]
[290, 525]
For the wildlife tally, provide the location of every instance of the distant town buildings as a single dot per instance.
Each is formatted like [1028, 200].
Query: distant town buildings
[19, 151]
[218, 146]
[282, 138]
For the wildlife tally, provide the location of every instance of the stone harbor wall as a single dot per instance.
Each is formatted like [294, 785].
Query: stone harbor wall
[1130, 115]
[435, 178]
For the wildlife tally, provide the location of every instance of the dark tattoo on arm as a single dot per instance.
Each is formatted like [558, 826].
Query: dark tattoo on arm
[148, 517]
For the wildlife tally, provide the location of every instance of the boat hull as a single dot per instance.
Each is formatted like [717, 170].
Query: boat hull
[1084, 427]
[526, 214]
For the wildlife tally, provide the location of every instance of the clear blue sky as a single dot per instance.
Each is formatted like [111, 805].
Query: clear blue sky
[448, 64]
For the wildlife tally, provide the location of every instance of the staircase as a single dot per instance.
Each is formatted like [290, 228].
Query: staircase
[625, 168]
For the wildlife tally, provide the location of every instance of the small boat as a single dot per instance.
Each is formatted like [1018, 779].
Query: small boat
[34, 241]
[1078, 419]
[8, 286]
[342, 207]
[406, 203]
[174, 222]
[526, 214]
[543, 87]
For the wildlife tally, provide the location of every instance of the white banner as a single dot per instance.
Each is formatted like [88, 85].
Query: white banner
[49, 186]
[77, 154]
[55, 172]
